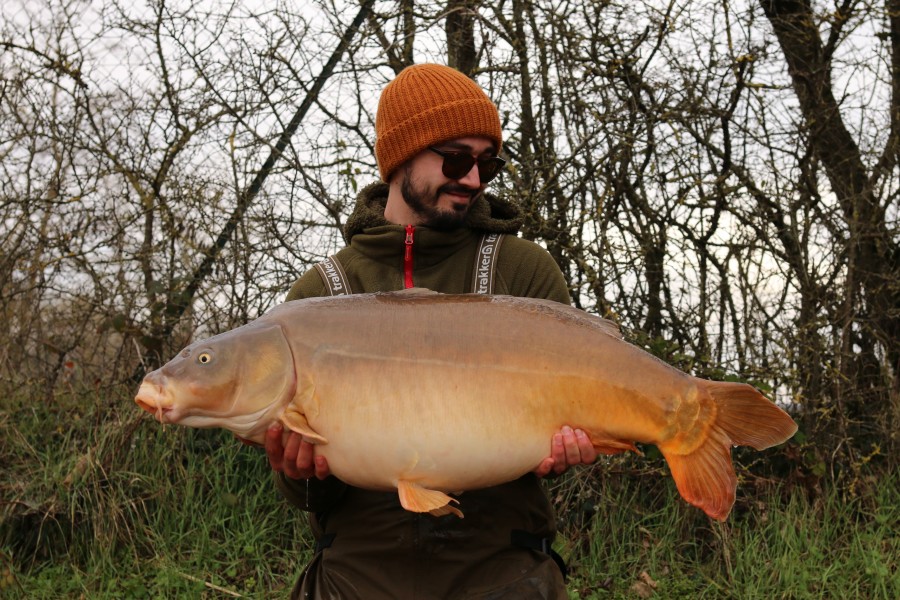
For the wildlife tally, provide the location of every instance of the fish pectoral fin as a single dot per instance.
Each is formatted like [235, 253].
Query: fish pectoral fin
[609, 446]
[415, 498]
[296, 421]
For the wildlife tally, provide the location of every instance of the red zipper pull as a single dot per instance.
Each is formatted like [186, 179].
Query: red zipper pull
[408, 258]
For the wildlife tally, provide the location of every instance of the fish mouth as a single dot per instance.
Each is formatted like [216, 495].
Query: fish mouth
[150, 398]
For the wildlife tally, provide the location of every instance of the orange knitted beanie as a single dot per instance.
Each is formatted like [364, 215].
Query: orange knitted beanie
[428, 104]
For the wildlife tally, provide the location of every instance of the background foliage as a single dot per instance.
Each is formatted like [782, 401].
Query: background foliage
[719, 177]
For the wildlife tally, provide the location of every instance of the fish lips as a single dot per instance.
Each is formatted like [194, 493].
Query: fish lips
[151, 398]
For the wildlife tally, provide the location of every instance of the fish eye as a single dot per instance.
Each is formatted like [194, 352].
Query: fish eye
[204, 358]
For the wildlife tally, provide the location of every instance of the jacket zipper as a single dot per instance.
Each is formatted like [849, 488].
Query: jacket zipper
[408, 258]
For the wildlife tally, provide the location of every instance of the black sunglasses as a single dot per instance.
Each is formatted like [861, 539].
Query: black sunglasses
[458, 164]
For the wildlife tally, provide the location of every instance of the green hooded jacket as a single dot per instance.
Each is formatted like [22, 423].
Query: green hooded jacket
[368, 545]
[442, 261]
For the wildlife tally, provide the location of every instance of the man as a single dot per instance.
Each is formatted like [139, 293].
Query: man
[438, 137]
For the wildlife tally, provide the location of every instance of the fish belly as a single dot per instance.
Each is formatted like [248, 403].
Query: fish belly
[453, 425]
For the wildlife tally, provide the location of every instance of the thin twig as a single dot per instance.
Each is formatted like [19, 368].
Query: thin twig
[211, 586]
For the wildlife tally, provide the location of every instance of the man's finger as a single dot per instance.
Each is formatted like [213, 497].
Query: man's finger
[304, 460]
[291, 453]
[322, 470]
[543, 469]
[570, 443]
[558, 453]
[274, 449]
[585, 447]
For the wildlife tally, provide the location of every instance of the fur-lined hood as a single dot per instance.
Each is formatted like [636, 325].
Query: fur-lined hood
[489, 213]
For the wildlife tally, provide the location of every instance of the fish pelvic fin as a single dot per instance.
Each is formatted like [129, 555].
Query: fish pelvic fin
[415, 498]
[296, 421]
[742, 417]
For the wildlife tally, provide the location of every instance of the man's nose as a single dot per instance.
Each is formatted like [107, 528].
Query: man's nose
[471, 179]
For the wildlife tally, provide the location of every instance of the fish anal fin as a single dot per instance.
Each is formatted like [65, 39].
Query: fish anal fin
[415, 498]
[705, 477]
[296, 421]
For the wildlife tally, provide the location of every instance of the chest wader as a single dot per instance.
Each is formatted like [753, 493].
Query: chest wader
[483, 280]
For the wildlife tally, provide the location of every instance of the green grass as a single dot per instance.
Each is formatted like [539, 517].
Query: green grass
[104, 503]
[97, 501]
[784, 545]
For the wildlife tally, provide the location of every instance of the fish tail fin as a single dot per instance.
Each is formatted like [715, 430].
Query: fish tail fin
[742, 417]
[748, 417]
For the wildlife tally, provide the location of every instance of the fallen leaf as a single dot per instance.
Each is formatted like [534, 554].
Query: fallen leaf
[641, 589]
[645, 577]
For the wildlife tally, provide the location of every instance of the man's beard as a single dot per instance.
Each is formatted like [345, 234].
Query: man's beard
[425, 205]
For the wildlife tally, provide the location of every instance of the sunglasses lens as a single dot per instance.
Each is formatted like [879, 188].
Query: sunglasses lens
[457, 165]
[489, 169]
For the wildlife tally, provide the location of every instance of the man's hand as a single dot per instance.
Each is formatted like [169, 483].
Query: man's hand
[568, 448]
[296, 458]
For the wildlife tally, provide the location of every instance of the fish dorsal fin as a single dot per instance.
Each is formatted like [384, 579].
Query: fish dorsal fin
[564, 312]
[415, 498]
[610, 327]
[416, 291]
[409, 295]
[541, 305]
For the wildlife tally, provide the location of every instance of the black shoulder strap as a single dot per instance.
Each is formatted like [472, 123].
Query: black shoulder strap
[486, 263]
[333, 275]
